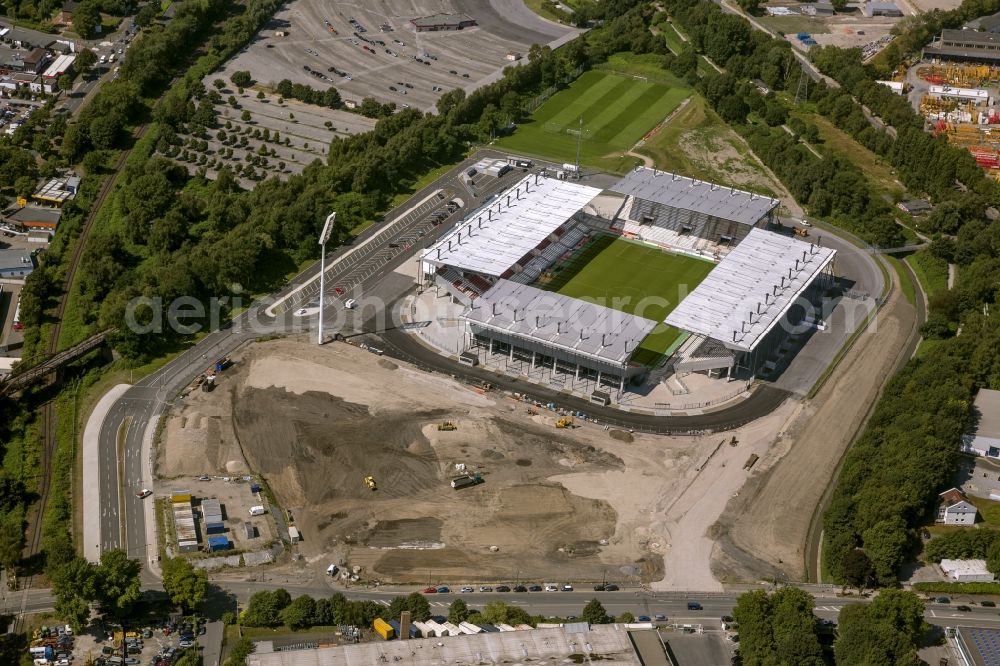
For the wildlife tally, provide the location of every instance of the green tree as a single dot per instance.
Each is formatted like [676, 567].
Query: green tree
[241, 79]
[184, 583]
[86, 18]
[219, 84]
[241, 649]
[85, 60]
[625, 618]
[147, 14]
[458, 611]
[594, 612]
[104, 131]
[65, 82]
[856, 568]
[886, 544]
[118, 581]
[299, 614]
[419, 607]
[74, 585]
[11, 540]
[245, 116]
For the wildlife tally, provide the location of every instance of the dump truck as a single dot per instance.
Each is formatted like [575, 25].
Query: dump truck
[466, 480]
[447, 425]
[383, 629]
[370, 482]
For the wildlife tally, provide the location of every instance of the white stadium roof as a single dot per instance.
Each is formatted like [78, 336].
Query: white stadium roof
[750, 290]
[568, 323]
[496, 236]
[670, 189]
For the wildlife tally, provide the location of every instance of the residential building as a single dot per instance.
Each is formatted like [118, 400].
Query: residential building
[954, 508]
[819, 8]
[983, 437]
[36, 60]
[915, 206]
[967, 571]
[879, 8]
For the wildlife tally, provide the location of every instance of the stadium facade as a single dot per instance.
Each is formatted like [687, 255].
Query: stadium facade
[763, 289]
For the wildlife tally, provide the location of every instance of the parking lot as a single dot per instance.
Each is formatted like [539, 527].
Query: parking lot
[157, 643]
[381, 50]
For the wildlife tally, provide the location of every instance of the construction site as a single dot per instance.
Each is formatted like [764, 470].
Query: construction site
[959, 101]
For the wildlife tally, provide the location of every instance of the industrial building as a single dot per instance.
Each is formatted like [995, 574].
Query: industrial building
[58, 190]
[572, 340]
[438, 22]
[979, 646]
[211, 513]
[873, 8]
[983, 436]
[759, 294]
[819, 8]
[184, 525]
[965, 46]
[966, 571]
[685, 214]
[16, 263]
[607, 644]
[34, 217]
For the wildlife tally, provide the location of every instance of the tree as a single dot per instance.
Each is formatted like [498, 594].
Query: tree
[104, 131]
[779, 629]
[245, 116]
[65, 82]
[74, 585]
[11, 539]
[625, 618]
[118, 581]
[458, 611]
[242, 649]
[260, 94]
[594, 612]
[86, 18]
[85, 59]
[147, 15]
[241, 79]
[299, 614]
[219, 84]
[419, 607]
[856, 568]
[184, 583]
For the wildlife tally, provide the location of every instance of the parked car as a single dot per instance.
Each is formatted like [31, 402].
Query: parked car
[567, 588]
[551, 588]
[660, 617]
[600, 588]
[988, 603]
[963, 608]
[466, 589]
[610, 587]
[503, 588]
[535, 588]
[520, 588]
[430, 590]
[643, 618]
[485, 588]
[943, 600]
[443, 589]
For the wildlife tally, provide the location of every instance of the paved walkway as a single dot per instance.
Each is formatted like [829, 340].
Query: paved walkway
[92, 471]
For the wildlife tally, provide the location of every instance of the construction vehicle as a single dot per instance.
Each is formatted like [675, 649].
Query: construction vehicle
[565, 422]
[466, 480]
[370, 482]
[800, 232]
[447, 425]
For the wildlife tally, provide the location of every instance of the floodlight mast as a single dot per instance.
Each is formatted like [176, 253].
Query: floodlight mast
[324, 236]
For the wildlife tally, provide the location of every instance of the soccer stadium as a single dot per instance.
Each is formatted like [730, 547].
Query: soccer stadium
[596, 291]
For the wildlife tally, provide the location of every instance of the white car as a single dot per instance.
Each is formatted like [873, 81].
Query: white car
[350, 304]
[144, 493]
[551, 588]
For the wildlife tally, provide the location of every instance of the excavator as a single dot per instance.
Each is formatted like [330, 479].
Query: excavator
[565, 422]
[370, 482]
[447, 425]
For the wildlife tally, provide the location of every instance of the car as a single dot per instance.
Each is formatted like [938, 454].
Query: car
[660, 617]
[503, 588]
[551, 588]
[567, 588]
[430, 590]
[694, 605]
[600, 588]
[451, 71]
[465, 76]
[611, 587]
[393, 244]
[535, 588]
[443, 589]
[144, 493]
[988, 603]
[350, 304]
[485, 588]
[184, 644]
[471, 172]
[202, 629]
[206, 477]
[520, 588]
[466, 590]
[643, 618]
[339, 291]
[943, 600]
[963, 608]
[392, 88]
[804, 223]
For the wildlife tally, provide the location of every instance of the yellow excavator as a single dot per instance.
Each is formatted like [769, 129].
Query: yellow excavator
[565, 422]
[370, 482]
[447, 425]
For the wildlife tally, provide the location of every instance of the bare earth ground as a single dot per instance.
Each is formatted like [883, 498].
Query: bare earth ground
[314, 422]
[763, 530]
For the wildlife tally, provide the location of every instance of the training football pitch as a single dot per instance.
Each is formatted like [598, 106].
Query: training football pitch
[634, 278]
[616, 110]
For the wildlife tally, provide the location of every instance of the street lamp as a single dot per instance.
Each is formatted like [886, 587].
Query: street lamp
[324, 236]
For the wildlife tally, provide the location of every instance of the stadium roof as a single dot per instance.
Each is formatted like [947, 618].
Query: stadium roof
[696, 195]
[496, 236]
[570, 324]
[746, 295]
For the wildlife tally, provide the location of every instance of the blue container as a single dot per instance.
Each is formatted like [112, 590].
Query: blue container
[216, 543]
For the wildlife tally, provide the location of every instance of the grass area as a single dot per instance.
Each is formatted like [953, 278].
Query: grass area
[989, 510]
[634, 278]
[931, 272]
[674, 41]
[905, 283]
[791, 25]
[649, 65]
[616, 111]
[545, 9]
[698, 143]
[843, 146]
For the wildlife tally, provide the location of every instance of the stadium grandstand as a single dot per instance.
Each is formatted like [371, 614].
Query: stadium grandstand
[575, 343]
[516, 236]
[688, 215]
[760, 294]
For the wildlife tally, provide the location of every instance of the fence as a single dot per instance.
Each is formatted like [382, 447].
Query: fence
[744, 386]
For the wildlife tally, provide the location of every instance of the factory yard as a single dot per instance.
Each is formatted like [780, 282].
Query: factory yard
[556, 504]
[320, 37]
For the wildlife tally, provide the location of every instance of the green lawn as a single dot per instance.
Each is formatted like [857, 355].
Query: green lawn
[931, 271]
[634, 278]
[616, 112]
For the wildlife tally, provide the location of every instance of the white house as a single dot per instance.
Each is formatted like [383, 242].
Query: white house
[954, 508]
[967, 571]
[983, 438]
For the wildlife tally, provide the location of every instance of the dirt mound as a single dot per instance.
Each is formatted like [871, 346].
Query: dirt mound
[621, 436]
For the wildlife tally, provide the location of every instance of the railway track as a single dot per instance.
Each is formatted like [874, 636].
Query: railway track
[48, 411]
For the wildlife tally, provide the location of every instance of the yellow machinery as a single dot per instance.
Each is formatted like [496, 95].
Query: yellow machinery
[565, 422]
[801, 232]
[447, 425]
[370, 482]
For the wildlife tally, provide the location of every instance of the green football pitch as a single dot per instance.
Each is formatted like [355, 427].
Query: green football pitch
[616, 111]
[634, 278]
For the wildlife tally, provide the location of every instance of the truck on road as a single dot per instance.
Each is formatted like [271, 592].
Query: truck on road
[466, 480]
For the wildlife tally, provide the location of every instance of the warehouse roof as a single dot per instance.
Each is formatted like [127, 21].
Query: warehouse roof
[569, 323]
[696, 195]
[972, 37]
[750, 290]
[211, 509]
[35, 214]
[609, 642]
[986, 413]
[497, 235]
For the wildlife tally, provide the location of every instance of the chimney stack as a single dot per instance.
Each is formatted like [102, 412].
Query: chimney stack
[404, 625]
